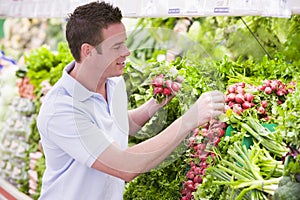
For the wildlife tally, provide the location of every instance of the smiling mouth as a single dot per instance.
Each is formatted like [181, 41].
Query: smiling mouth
[120, 63]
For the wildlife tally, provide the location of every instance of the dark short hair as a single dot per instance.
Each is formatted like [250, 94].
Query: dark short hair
[85, 25]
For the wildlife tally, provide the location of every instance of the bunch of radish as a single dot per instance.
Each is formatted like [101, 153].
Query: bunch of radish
[238, 99]
[241, 96]
[164, 87]
[200, 145]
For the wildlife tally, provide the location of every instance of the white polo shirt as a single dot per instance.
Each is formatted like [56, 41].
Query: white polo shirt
[76, 126]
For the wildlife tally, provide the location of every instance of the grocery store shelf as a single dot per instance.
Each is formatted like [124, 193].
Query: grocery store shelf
[155, 8]
[9, 192]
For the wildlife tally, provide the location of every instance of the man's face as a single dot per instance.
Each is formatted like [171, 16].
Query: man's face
[113, 50]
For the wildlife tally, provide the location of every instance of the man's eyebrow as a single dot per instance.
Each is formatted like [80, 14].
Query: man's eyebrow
[118, 43]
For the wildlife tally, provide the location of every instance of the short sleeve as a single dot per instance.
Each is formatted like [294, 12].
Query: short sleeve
[77, 135]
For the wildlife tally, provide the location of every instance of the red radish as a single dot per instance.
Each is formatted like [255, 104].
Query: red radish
[274, 85]
[268, 90]
[230, 97]
[166, 91]
[267, 118]
[223, 125]
[264, 103]
[239, 98]
[237, 108]
[231, 104]
[280, 92]
[189, 195]
[158, 90]
[206, 125]
[204, 131]
[261, 110]
[242, 84]
[179, 79]
[240, 90]
[201, 146]
[169, 83]
[267, 83]
[293, 83]
[261, 87]
[290, 90]
[231, 88]
[221, 132]
[197, 179]
[158, 81]
[216, 141]
[249, 97]
[190, 175]
[175, 86]
[190, 185]
[246, 105]
[227, 107]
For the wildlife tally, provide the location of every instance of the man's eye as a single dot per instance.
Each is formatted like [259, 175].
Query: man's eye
[117, 47]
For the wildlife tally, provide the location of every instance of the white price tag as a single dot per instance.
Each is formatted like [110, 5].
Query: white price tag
[194, 7]
[276, 8]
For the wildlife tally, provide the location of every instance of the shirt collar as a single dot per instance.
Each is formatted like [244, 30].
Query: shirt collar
[74, 88]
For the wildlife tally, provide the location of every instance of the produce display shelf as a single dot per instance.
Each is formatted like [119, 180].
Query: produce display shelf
[9, 192]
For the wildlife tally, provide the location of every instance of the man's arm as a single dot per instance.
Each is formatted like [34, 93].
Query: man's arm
[127, 164]
[139, 116]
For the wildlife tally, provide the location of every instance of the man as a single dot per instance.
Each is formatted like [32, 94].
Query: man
[84, 122]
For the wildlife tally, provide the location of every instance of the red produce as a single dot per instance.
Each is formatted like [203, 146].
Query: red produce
[268, 90]
[190, 175]
[274, 85]
[264, 103]
[158, 81]
[230, 97]
[261, 87]
[231, 89]
[281, 92]
[167, 91]
[221, 132]
[290, 90]
[239, 98]
[231, 104]
[242, 84]
[158, 90]
[237, 108]
[240, 90]
[261, 110]
[169, 83]
[175, 86]
[267, 83]
[246, 105]
[190, 185]
[249, 97]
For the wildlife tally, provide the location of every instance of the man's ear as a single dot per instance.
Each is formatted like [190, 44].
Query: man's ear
[86, 50]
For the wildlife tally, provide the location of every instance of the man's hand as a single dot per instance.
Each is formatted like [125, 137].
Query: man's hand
[207, 107]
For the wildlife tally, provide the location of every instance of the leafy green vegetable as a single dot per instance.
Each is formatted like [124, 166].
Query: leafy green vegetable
[287, 190]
